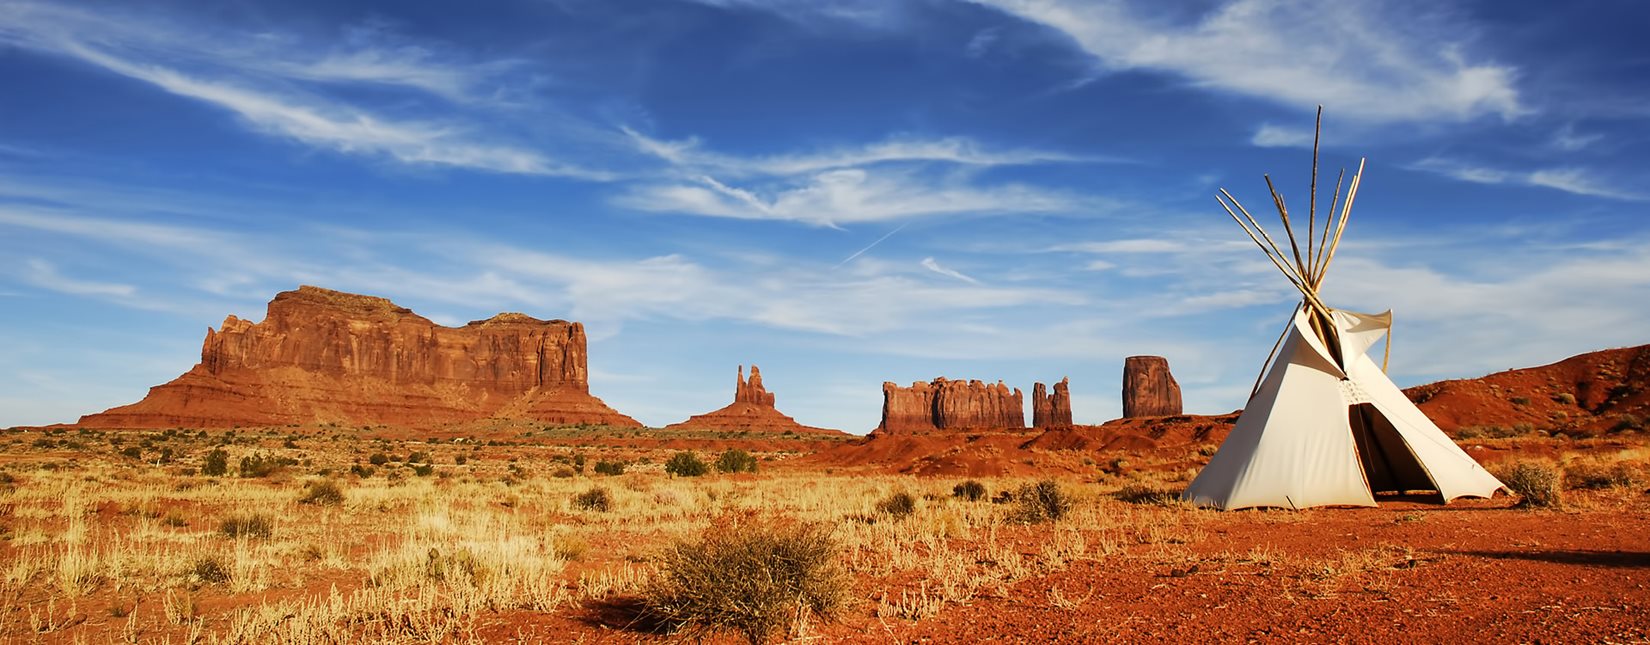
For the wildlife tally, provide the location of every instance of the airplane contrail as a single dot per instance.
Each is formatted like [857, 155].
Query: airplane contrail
[869, 246]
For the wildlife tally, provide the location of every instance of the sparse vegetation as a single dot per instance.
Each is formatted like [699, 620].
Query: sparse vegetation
[249, 525]
[897, 504]
[970, 490]
[686, 464]
[610, 468]
[1535, 483]
[755, 576]
[1142, 494]
[216, 463]
[1043, 501]
[323, 492]
[1592, 475]
[595, 499]
[734, 460]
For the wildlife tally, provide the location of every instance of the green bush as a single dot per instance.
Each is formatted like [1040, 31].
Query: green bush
[686, 464]
[595, 499]
[757, 577]
[216, 464]
[378, 459]
[1043, 501]
[1535, 483]
[324, 492]
[734, 460]
[261, 465]
[898, 504]
[255, 525]
[970, 490]
[604, 467]
[423, 470]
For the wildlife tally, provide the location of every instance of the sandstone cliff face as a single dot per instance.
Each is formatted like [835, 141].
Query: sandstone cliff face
[1149, 390]
[1592, 394]
[752, 410]
[945, 404]
[328, 356]
[1050, 412]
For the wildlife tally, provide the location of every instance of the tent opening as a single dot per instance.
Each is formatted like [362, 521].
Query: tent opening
[1389, 465]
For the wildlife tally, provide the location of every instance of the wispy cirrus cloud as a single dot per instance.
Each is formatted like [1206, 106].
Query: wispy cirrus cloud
[844, 196]
[962, 151]
[934, 265]
[1577, 181]
[899, 177]
[256, 83]
[1362, 60]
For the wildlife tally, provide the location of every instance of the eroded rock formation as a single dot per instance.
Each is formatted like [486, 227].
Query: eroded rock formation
[1051, 411]
[327, 356]
[944, 404]
[1149, 390]
[752, 410]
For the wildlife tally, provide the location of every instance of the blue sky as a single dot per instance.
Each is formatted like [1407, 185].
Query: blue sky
[841, 192]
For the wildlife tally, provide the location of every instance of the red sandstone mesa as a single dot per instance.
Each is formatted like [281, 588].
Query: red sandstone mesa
[1051, 412]
[328, 356]
[1149, 390]
[949, 405]
[752, 410]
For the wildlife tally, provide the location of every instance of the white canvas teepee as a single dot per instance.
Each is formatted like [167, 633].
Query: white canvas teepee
[1326, 427]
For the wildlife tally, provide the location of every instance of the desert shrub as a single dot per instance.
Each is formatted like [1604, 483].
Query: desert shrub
[378, 459]
[734, 460]
[1520, 400]
[1142, 494]
[970, 490]
[418, 458]
[216, 464]
[1597, 476]
[461, 459]
[1535, 483]
[605, 467]
[261, 465]
[686, 464]
[757, 577]
[1566, 398]
[578, 462]
[898, 504]
[323, 492]
[1043, 501]
[209, 570]
[563, 472]
[423, 470]
[595, 499]
[362, 471]
[132, 452]
[255, 525]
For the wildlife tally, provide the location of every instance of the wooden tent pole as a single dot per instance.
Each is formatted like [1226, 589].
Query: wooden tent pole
[1340, 229]
[1262, 231]
[1283, 211]
[1312, 200]
[1282, 266]
[1388, 357]
[1323, 242]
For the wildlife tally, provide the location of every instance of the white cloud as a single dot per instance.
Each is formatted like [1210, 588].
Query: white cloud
[844, 196]
[1577, 181]
[1280, 136]
[1568, 140]
[43, 274]
[933, 265]
[153, 53]
[980, 44]
[690, 154]
[1361, 60]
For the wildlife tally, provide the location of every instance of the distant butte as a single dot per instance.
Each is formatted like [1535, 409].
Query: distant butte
[944, 404]
[324, 356]
[752, 410]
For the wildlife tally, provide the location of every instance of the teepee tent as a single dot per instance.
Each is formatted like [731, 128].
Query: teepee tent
[1325, 426]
